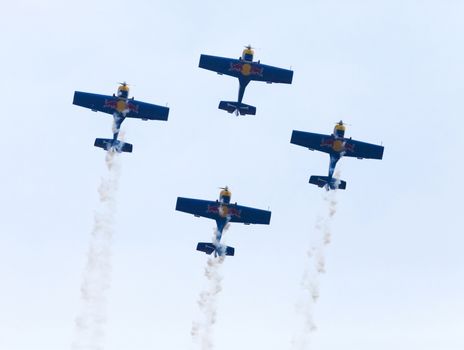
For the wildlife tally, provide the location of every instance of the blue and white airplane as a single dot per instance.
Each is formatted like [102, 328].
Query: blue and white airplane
[223, 212]
[121, 107]
[337, 146]
[246, 70]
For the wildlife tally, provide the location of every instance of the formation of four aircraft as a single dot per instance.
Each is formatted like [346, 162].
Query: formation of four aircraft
[222, 210]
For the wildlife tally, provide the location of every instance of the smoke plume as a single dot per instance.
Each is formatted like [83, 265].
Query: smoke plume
[202, 331]
[90, 324]
[314, 267]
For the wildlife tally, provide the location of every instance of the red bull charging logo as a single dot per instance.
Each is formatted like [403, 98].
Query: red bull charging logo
[246, 68]
[110, 104]
[331, 142]
[121, 106]
[327, 142]
[349, 147]
[231, 211]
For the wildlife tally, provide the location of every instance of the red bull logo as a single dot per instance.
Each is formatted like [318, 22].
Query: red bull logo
[246, 68]
[132, 107]
[349, 147]
[337, 145]
[235, 67]
[111, 104]
[121, 106]
[327, 142]
[213, 209]
[234, 212]
[256, 70]
[231, 211]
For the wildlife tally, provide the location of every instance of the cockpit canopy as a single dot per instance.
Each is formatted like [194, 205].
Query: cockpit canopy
[339, 130]
[247, 54]
[123, 91]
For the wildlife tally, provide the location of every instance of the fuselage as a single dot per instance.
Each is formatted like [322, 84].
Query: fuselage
[122, 107]
[246, 69]
[223, 211]
[338, 145]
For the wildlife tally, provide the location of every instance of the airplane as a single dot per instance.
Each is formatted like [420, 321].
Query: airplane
[337, 146]
[121, 107]
[223, 212]
[245, 69]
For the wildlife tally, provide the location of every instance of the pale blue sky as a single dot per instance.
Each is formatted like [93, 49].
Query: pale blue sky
[393, 70]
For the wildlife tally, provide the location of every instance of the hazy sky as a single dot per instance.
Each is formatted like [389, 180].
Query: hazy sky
[392, 70]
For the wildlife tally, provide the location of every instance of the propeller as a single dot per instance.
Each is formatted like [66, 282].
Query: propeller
[249, 47]
[124, 84]
[224, 188]
[342, 123]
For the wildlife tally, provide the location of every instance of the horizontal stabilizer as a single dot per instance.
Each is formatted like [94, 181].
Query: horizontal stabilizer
[113, 145]
[241, 108]
[230, 251]
[323, 181]
[209, 248]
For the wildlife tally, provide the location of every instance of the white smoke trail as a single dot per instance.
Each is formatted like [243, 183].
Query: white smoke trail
[91, 322]
[202, 331]
[314, 267]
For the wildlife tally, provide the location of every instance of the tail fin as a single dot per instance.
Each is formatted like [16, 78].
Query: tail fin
[116, 145]
[209, 248]
[323, 181]
[241, 108]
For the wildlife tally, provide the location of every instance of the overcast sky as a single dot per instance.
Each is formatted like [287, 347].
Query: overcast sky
[392, 70]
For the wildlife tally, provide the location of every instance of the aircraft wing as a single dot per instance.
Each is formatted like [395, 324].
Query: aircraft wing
[198, 207]
[147, 111]
[323, 143]
[271, 74]
[210, 210]
[95, 102]
[242, 69]
[247, 215]
[361, 150]
[109, 104]
[310, 140]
